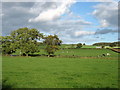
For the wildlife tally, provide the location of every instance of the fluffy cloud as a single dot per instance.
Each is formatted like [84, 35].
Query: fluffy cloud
[1, 14]
[107, 14]
[48, 16]
[35, 15]
[55, 11]
[83, 33]
[16, 15]
[65, 28]
[58, 0]
[106, 31]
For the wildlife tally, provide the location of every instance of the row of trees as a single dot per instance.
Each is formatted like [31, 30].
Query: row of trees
[107, 44]
[79, 45]
[26, 40]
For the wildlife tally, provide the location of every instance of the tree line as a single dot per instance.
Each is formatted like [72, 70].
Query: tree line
[26, 40]
[113, 44]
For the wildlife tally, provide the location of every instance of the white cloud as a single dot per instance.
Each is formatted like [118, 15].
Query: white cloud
[69, 23]
[107, 14]
[70, 29]
[1, 14]
[104, 23]
[83, 33]
[58, 0]
[55, 11]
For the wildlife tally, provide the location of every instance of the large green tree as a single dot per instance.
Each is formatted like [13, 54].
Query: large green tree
[52, 43]
[24, 39]
[7, 45]
[79, 45]
[112, 45]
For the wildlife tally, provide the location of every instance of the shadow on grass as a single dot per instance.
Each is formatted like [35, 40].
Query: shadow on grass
[34, 55]
[5, 84]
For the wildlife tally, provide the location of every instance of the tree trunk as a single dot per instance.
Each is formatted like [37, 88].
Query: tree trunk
[20, 53]
[48, 55]
[27, 55]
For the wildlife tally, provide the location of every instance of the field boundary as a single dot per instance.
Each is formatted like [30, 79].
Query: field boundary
[65, 56]
[83, 48]
[115, 49]
[86, 57]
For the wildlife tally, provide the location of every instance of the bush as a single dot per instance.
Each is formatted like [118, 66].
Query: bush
[79, 45]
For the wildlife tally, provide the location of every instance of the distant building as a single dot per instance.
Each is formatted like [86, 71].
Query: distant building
[98, 47]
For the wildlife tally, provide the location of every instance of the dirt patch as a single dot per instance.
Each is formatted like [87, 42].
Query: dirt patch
[116, 50]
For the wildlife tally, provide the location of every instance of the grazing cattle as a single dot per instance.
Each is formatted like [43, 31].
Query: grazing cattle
[108, 54]
[103, 55]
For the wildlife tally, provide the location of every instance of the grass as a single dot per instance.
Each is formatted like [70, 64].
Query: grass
[74, 46]
[84, 46]
[83, 52]
[44, 72]
[87, 52]
[89, 46]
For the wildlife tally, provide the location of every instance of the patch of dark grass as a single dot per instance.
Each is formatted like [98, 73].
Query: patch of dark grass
[80, 86]
[60, 72]
[75, 75]
[5, 84]
[66, 78]
[55, 73]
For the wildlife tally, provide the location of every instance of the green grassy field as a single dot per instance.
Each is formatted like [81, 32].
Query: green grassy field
[74, 46]
[84, 46]
[86, 52]
[45, 72]
[70, 46]
[83, 52]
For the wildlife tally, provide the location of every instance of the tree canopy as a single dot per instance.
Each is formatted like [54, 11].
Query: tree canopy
[7, 45]
[107, 44]
[52, 42]
[24, 39]
[79, 45]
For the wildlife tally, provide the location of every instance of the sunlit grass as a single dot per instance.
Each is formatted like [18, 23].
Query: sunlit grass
[44, 72]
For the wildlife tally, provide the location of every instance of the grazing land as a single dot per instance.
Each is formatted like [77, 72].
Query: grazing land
[83, 52]
[116, 50]
[86, 71]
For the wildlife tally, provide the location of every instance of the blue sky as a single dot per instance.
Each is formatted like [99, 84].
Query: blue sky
[80, 22]
[84, 9]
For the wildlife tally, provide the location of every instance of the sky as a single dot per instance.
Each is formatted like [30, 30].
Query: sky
[73, 21]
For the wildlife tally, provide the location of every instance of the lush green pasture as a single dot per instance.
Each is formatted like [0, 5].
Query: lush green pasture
[87, 52]
[71, 46]
[84, 46]
[88, 46]
[83, 52]
[74, 46]
[44, 72]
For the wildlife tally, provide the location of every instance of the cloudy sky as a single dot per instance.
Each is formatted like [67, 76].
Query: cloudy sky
[73, 21]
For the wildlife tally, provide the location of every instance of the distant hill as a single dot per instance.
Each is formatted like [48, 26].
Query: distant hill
[107, 44]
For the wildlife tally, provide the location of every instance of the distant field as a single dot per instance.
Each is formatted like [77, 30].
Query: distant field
[89, 46]
[83, 52]
[44, 72]
[70, 46]
[74, 46]
[87, 52]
